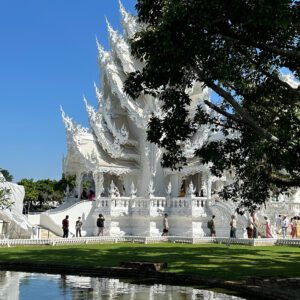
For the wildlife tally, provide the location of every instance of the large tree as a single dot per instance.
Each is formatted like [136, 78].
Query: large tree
[237, 48]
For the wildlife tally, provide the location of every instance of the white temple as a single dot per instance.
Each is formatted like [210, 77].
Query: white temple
[121, 170]
[13, 224]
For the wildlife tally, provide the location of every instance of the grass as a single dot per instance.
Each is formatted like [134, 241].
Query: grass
[209, 260]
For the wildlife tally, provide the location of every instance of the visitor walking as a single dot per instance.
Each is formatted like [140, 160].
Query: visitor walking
[65, 226]
[255, 225]
[284, 226]
[278, 224]
[251, 230]
[268, 227]
[78, 226]
[165, 225]
[297, 229]
[293, 227]
[212, 226]
[100, 224]
[233, 227]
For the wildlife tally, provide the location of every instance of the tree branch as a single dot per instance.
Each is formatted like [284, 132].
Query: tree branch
[271, 49]
[285, 181]
[247, 119]
[222, 112]
[276, 79]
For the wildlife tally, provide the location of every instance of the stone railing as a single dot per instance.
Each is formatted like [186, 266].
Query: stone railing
[161, 202]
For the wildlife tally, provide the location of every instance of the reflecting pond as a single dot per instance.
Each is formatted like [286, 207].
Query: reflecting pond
[20, 285]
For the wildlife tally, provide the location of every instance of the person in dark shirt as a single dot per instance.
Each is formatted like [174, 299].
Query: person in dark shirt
[65, 227]
[100, 224]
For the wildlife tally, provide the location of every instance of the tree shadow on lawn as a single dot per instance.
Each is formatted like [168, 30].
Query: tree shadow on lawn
[210, 261]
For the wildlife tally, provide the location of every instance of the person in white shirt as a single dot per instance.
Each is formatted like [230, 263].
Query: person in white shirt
[278, 224]
[284, 226]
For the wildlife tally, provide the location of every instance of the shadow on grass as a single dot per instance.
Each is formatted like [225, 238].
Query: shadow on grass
[210, 261]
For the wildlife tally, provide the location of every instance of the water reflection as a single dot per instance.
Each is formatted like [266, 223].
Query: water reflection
[19, 285]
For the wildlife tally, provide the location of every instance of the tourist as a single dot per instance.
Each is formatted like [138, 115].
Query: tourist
[278, 224]
[165, 225]
[91, 195]
[78, 226]
[84, 195]
[284, 226]
[212, 226]
[100, 224]
[233, 227]
[297, 230]
[268, 227]
[65, 226]
[255, 225]
[250, 227]
[293, 227]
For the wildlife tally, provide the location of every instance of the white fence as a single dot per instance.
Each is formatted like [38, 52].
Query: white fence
[148, 240]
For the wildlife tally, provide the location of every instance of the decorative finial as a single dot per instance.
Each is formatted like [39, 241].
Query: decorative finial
[151, 188]
[169, 188]
[113, 190]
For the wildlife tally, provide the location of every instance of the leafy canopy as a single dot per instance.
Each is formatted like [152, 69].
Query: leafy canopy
[45, 193]
[237, 48]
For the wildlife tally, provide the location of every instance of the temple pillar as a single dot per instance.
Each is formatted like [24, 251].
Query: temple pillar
[99, 180]
[203, 190]
[175, 181]
[208, 185]
[79, 177]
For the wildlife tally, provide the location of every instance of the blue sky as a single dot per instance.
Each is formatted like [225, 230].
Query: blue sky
[47, 59]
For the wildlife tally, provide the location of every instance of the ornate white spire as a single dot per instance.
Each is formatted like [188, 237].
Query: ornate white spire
[99, 96]
[121, 50]
[112, 146]
[115, 83]
[128, 22]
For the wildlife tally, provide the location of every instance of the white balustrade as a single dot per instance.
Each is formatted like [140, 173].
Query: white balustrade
[148, 239]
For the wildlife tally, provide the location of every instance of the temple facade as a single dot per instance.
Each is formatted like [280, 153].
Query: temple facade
[113, 155]
[119, 173]
[113, 158]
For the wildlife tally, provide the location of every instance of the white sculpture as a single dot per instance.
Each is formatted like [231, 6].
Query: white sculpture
[191, 190]
[113, 190]
[169, 189]
[17, 223]
[133, 190]
[151, 188]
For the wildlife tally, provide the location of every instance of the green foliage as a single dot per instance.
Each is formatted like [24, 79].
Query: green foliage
[6, 174]
[5, 201]
[43, 194]
[237, 49]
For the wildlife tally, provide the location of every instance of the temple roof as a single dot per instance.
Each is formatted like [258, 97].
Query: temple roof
[84, 149]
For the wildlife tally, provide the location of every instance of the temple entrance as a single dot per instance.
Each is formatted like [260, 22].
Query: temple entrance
[87, 187]
[196, 179]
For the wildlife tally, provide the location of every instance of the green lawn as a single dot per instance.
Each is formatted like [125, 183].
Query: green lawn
[209, 260]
